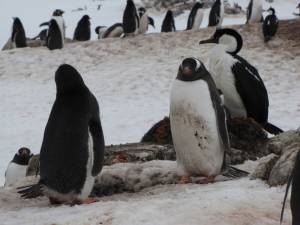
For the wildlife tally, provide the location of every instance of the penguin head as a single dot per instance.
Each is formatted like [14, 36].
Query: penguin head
[100, 29]
[169, 14]
[191, 69]
[298, 6]
[58, 12]
[142, 11]
[68, 80]
[151, 21]
[199, 5]
[22, 156]
[85, 18]
[228, 37]
[271, 11]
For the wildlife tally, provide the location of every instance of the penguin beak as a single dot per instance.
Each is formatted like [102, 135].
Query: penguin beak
[208, 41]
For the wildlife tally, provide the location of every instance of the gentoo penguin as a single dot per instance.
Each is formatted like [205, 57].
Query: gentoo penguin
[198, 123]
[145, 20]
[294, 180]
[270, 25]
[83, 29]
[42, 35]
[131, 20]
[195, 17]
[72, 151]
[216, 14]
[113, 31]
[168, 24]
[16, 169]
[18, 37]
[255, 11]
[244, 91]
[100, 30]
[54, 37]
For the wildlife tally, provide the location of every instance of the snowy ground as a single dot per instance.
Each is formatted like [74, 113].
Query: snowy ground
[131, 79]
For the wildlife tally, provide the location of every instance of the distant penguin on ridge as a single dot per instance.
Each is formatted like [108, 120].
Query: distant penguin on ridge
[54, 37]
[270, 25]
[245, 94]
[145, 20]
[168, 24]
[216, 14]
[195, 17]
[18, 36]
[72, 151]
[16, 169]
[83, 29]
[131, 20]
[255, 11]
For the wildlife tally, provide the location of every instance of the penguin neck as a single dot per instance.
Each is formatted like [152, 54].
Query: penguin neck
[20, 160]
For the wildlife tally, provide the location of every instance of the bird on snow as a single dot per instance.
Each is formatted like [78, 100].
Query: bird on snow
[270, 25]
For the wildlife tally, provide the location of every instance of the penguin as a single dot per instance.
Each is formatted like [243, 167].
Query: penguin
[83, 29]
[168, 24]
[145, 20]
[216, 14]
[42, 35]
[18, 37]
[195, 17]
[270, 25]
[245, 94]
[16, 169]
[298, 7]
[100, 30]
[255, 11]
[198, 123]
[113, 31]
[54, 37]
[293, 180]
[131, 20]
[72, 152]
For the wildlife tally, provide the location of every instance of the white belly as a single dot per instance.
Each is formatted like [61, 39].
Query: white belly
[194, 129]
[61, 24]
[143, 24]
[117, 32]
[256, 14]
[14, 174]
[221, 14]
[198, 19]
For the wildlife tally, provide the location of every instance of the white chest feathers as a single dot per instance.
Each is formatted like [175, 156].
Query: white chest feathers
[198, 19]
[220, 67]
[256, 12]
[14, 173]
[221, 14]
[194, 129]
[144, 23]
[61, 24]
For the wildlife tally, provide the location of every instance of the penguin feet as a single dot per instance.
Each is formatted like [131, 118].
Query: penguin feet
[207, 180]
[185, 180]
[120, 158]
[89, 201]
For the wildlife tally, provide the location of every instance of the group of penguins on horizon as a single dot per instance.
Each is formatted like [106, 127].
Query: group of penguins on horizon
[201, 101]
[137, 22]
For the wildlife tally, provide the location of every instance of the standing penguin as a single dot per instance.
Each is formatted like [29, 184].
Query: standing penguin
[131, 20]
[195, 17]
[294, 179]
[245, 94]
[145, 20]
[270, 25]
[198, 123]
[18, 37]
[168, 24]
[216, 14]
[255, 11]
[16, 169]
[72, 151]
[54, 37]
[83, 29]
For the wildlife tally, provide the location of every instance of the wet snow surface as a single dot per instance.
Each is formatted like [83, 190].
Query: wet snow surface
[131, 79]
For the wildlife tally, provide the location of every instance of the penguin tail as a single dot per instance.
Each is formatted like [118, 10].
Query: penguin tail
[285, 196]
[272, 129]
[234, 173]
[30, 191]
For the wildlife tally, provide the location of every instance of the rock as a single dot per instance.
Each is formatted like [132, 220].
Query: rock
[264, 167]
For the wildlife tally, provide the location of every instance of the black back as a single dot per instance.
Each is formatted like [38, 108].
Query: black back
[64, 151]
[168, 24]
[251, 89]
[214, 14]
[111, 28]
[249, 10]
[18, 34]
[83, 29]
[193, 14]
[54, 37]
[130, 18]
[270, 27]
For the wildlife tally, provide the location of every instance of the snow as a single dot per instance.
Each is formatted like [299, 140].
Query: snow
[131, 79]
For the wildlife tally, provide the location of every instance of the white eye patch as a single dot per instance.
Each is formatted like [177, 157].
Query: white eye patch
[229, 41]
[198, 63]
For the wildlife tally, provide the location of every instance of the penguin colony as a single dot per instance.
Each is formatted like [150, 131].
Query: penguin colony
[198, 100]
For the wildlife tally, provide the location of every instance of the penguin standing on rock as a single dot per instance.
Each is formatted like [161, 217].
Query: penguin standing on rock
[198, 124]
[72, 151]
[255, 11]
[145, 20]
[168, 24]
[131, 20]
[245, 94]
[270, 25]
[216, 14]
[16, 169]
[195, 17]
[83, 29]
[54, 37]
[18, 37]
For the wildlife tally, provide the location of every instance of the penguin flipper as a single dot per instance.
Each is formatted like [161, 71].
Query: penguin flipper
[285, 196]
[234, 173]
[272, 129]
[30, 191]
[45, 24]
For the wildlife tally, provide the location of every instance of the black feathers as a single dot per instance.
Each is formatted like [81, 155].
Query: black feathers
[83, 29]
[18, 36]
[168, 24]
[270, 25]
[54, 37]
[215, 14]
[130, 18]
